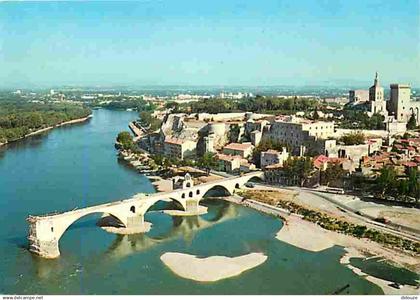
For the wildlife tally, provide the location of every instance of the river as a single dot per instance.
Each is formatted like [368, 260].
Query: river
[76, 166]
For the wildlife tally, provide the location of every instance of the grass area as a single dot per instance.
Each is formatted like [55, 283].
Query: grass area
[284, 200]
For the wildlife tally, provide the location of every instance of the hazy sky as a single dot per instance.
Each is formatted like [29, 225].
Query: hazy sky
[217, 42]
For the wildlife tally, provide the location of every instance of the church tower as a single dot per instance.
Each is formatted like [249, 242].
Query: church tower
[376, 98]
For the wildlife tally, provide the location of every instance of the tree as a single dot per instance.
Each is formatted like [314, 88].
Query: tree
[234, 133]
[125, 139]
[386, 182]
[208, 161]
[299, 168]
[413, 183]
[411, 124]
[315, 115]
[333, 174]
[147, 120]
[353, 138]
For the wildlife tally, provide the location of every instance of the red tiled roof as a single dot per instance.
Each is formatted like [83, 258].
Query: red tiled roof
[228, 157]
[237, 146]
[319, 160]
[410, 164]
[275, 166]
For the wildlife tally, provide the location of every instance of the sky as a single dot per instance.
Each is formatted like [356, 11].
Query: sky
[217, 42]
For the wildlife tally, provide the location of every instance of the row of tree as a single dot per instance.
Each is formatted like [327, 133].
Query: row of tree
[354, 119]
[257, 104]
[122, 103]
[389, 183]
[19, 118]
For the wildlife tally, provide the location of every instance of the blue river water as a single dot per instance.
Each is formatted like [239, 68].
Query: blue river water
[76, 166]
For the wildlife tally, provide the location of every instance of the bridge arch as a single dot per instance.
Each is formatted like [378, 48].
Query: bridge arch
[216, 187]
[180, 205]
[45, 234]
[62, 226]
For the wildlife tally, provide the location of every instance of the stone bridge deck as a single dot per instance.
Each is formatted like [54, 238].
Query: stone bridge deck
[46, 231]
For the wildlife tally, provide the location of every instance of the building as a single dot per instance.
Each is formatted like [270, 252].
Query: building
[256, 137]
[376, 98]
[234, 164]
[358, 96]
[229, 163]
[322, 162]
[178, 148]
[244, 150]
[273, 157]
[296, 132]
[400, 105]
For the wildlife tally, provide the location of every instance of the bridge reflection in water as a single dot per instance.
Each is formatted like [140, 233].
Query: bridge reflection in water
[126, 245]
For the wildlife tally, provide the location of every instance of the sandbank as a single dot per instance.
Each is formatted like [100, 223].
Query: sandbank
[302, 234]
[309, 236]
[211, 268]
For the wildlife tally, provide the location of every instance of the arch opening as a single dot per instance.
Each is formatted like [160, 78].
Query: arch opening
[191, 194]
[160, 205]
[255, 179]
[109, 220]
[133, 209]
[217, 191]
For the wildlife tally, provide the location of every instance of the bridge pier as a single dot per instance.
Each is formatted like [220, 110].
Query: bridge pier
[135, 221]
[42, 245]
[192, 206]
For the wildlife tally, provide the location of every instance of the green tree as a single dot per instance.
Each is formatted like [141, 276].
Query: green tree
[413, 183]
[333, 174]
[234, 133]
[208, 161]
[353, 138]
[315, 115]
[125, 139]
[386, 182]
[299, 168]
[411, 124]
[150, 122]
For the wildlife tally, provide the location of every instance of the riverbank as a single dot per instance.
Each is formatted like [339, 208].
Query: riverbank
[138, 132]
[309, 236]
[39, 131]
